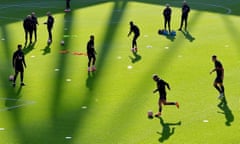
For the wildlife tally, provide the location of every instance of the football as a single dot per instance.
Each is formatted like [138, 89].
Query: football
[11, 77]
[62, 42]
[150, 114]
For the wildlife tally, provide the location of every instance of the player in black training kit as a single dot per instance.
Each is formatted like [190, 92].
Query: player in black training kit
[184, 18]
[161, 88]
[167, 18]
[136, 31]
[218, 82]
[91, 54]
[28, 28]
[18, 61]
[34, 23]
[49, 23]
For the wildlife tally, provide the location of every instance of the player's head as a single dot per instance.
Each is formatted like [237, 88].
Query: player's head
[48, 13]
[155, 77]
[92, 37]
[167, 5]
[214, 58]
[19, 46]
[29, 16]
[131, 23]
[33, 13]
[184, 2]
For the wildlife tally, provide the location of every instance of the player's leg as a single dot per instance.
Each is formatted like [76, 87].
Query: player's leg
[26, 36]
[215, 84]
[89, 62]
[222, 87]
[169, 25]
[50, 33]
[135, 42]
[35, 33]
[30, 35]
[21, 78]
[159, 108]
[181, 24]
[93, 62]
[165, 24]
[185, 22]
[169, 103]
[15, 77]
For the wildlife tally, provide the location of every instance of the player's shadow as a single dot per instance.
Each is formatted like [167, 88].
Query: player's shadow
[90, 80]
[135, 58]
[47, 49]
[188, 35]
[12, 100]
[226, 111]
[167, 131]
[170, 37]
[28, 48]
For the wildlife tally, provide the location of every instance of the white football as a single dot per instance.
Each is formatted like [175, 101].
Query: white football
[62, 42]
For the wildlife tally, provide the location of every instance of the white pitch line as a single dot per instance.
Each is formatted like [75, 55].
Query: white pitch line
[24, 103]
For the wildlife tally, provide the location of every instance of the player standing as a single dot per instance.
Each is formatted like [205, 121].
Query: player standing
[28, 28]
[161, 88]
[218, 82]
[91, 54]
[49, 23]
[136, 31]
[167, 18]
[18, 61]
[35, 23]
[184, 18]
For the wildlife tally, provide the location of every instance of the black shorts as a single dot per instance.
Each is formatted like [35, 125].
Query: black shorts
[136, 36]
[91, 55]
[19, 68]
[218, 80]
[163, 96]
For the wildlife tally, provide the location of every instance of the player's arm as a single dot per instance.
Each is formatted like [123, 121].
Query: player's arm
[212, 71]
[155, 90]
[168, 86]
[24, 63]
[130, 31]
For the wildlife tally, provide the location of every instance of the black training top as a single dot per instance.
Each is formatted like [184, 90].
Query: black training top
[90, 47]
[50, 21]
[18, 59]
[185, 9]
[161, 85]
[28, 23]
[167, 12]
[34, 21]
[135, 29]
[219, 68]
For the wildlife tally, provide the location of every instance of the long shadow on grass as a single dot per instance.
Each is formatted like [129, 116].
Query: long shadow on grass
[168, 129]
[188, 35]
[135, 58]
[28, 48]
[226, 111]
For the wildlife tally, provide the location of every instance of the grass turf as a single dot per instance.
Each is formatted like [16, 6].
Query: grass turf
[110, 106]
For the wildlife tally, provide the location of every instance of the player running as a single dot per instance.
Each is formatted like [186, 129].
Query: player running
[136, 31]
[218, 82]
[91, 54]
[161, 88]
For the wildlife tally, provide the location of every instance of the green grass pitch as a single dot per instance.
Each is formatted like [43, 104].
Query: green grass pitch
[62, 104]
